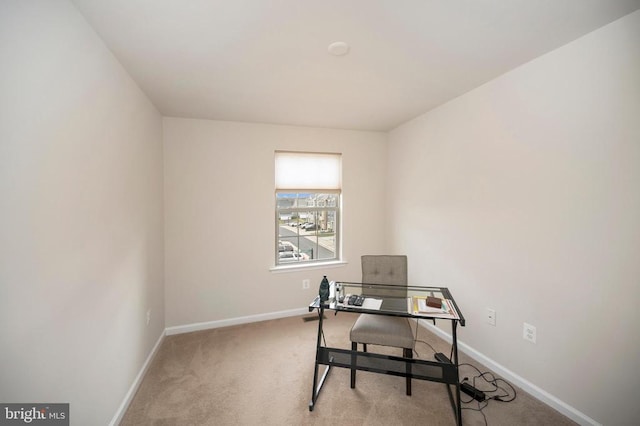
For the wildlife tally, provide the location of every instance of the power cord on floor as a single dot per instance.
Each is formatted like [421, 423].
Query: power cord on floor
[502, 395]
[499, 390]
[481, 406]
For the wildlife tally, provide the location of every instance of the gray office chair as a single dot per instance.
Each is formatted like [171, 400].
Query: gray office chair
[383, 330]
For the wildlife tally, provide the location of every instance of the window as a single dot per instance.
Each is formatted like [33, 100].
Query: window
[307, 207]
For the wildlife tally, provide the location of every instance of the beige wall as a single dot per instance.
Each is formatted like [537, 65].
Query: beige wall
[219, 210]
[81, 234]
[522, 196]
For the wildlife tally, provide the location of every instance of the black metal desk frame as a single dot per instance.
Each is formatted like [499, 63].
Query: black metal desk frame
[415, 368]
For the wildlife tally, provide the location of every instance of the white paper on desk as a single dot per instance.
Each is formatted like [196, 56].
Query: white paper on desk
[372, 304]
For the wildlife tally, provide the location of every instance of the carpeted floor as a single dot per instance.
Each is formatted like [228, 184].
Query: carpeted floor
[262, 373]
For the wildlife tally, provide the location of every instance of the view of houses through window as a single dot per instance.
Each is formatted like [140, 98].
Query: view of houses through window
[307, 226]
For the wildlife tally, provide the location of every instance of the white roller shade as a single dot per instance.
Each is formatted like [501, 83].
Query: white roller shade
[302, 170]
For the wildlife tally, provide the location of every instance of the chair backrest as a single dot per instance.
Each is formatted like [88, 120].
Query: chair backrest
[385, 269]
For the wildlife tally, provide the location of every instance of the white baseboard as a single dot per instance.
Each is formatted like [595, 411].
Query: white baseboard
[117, 418]
[527, 386]
[179, 329]
[136, 383]
[505, 373]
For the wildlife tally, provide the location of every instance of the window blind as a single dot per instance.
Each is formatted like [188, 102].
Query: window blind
[306, 170]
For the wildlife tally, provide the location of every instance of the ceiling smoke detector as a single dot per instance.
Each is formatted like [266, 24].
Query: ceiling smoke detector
[339, 48]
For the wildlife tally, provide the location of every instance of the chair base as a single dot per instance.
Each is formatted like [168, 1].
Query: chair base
[406, 352]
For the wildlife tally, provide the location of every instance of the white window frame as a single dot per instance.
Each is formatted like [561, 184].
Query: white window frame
[290, 173]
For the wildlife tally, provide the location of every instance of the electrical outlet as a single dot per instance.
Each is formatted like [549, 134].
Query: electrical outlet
[305, 284]
[148, 316]
[491, 316]
[529, 333]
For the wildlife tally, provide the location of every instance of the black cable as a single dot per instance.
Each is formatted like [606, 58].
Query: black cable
[426, 343]
[489, 377]
[494, 381]
[416, 340]
[503, 396]
[479, 409]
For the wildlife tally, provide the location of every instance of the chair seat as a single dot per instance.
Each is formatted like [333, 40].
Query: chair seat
[382, 330]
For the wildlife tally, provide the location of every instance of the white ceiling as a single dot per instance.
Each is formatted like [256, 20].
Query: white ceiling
[266, 60]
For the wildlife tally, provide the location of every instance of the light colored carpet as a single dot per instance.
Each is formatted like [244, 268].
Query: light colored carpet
[262, 374]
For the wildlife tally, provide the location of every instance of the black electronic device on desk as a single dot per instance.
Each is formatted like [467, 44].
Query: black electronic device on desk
[355, 300]
[348, 296]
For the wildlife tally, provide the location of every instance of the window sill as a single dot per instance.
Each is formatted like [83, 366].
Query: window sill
[298, 267]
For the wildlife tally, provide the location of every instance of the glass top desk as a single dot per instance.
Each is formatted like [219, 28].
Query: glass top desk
[397, 301]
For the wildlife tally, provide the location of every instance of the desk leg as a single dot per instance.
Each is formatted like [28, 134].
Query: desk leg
[354, 348]
[408, 353]
[315, 391]
[454, 326]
